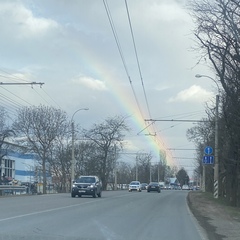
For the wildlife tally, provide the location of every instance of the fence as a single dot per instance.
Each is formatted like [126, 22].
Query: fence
[12, 189]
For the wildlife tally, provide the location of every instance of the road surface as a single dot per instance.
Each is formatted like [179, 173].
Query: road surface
[118, 215]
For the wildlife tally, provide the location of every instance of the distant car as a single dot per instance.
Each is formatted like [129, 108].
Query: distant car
[154, 186]
[144, 186]
[185, 187]
[168, 187]
[87, 185]
[134, 186]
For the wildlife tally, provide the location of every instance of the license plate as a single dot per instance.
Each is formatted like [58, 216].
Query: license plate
[81, 191]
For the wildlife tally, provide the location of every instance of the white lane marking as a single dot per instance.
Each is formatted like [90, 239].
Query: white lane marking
[54, 209]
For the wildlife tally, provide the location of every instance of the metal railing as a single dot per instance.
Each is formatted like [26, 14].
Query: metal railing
[12, 189]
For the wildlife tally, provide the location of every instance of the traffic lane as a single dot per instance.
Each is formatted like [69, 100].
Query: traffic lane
[118, 215]
[24, 204]
[13, 206]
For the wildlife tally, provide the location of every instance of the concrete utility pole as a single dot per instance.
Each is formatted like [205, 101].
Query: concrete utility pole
[115, 167]
[150, 173]
[204, 178]
[216, 165]
[216, 161]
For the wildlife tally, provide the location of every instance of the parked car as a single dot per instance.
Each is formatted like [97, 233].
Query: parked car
[154, 186]
[135, 186]
[87, 185]
[144, 186]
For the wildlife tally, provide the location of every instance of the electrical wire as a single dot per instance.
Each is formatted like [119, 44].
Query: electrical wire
[16, 79]
[121, 53]
[51, 98]
[12, 76]
[16, 96]
[137, 59]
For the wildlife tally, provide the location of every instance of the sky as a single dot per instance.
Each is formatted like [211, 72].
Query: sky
[117, 58]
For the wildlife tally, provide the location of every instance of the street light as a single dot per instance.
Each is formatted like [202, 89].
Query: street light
[216, 162]
[73, 157]
[206, 76]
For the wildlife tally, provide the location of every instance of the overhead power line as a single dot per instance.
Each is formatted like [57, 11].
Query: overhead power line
[182, 149]
[30, 83]
[138, 64]
[175, 120]
[121, 53]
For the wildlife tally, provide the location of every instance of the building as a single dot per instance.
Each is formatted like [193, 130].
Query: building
[19, 166]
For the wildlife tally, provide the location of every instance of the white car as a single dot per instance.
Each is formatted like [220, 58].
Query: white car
[134, 186]
[185, 187]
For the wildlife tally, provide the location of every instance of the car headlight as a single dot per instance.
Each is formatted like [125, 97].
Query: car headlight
[92, 186]
[74, 185]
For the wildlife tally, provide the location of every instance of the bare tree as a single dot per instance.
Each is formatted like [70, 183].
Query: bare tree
[41, 126]
[143, 167]
[124, 173]
[60, 162]
[107, 136]
[217, 32]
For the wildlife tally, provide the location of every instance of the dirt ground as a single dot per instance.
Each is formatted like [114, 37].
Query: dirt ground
[218, 220]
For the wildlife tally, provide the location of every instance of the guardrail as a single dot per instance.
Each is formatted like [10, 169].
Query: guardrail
[6, 189]
[12, 187]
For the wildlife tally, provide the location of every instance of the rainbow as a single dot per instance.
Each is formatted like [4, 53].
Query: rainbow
[97, 70]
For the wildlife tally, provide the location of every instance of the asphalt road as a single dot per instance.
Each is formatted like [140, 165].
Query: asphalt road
[118, 215]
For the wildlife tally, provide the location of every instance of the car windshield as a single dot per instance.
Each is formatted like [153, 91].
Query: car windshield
[85, 180]
[134, 183]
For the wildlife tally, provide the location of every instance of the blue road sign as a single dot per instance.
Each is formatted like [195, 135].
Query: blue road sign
[208, 159]
[208, 150]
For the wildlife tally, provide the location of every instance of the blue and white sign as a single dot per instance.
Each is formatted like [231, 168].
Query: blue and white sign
[208, 159]
[208, 150]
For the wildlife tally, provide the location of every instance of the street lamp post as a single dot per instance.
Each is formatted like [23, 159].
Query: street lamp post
[216, 162]
[73, 162]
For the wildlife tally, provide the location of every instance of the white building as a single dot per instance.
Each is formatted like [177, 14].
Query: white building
[19, 166]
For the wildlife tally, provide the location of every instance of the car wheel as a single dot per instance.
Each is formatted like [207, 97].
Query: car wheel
[129, 190]
[100, 194]
[148, 191]
[94, 194]
[73, 195]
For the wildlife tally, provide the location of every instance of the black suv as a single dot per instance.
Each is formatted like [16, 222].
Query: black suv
[87, 185]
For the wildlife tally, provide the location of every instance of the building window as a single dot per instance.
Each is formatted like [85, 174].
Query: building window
[9, 168]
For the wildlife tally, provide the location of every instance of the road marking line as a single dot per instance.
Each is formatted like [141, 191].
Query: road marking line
[54, 209]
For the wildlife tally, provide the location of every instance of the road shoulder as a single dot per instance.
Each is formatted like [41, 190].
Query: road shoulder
[218, 220]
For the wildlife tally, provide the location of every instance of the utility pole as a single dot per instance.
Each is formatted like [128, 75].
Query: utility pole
[73, 155]
[136, 168]
[150, 173]
[204, 179]
[115, 167]
[216, 165]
